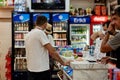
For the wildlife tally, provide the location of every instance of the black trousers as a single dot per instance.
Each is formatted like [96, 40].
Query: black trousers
[45, 75]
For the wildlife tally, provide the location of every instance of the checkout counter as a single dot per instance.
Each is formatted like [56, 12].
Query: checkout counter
[84, 70]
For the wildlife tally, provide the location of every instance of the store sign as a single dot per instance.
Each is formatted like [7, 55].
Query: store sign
[21, 17]
[99, 18]
[60, 17]
[79, 20]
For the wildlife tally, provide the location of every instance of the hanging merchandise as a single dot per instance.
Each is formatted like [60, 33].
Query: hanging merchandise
[20, 5]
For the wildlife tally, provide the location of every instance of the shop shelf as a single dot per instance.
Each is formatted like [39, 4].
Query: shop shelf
[79, 42]
[19, 46]
[19, 39]
[78, 34]
[5, 12]
[7, 7]
[21, 31]
[99, 3]
[59, 31]
[60, 39]
[20, 57]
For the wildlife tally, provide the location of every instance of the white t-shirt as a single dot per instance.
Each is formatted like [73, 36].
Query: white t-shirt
[97, 54]
[37, 55]
[51, 40]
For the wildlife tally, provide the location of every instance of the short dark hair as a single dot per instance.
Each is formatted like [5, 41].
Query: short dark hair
[117, 11]
[107, 23]
[41, 20]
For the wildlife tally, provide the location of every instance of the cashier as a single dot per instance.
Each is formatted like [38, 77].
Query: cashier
[113, 45]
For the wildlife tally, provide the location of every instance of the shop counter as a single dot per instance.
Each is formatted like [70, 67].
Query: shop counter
[85, 70]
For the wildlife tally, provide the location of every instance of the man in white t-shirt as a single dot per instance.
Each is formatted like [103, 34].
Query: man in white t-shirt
[98, 36]
[37, 47]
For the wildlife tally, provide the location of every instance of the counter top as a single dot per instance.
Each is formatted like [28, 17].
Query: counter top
[84, 64]
[87, 65]
[85, 70]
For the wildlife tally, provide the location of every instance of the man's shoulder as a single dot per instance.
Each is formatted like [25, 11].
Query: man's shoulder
[37, 31]
[118, 33]
[50, 35]
[117, 36]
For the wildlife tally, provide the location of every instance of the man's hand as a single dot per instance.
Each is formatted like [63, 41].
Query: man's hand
[105, 60]
[111, 28]
[67, 63]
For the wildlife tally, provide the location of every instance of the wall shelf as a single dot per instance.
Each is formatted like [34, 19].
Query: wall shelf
[7, 7]
[5, 12]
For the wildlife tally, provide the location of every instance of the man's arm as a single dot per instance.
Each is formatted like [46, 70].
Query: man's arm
[54, 54]
[105, 47]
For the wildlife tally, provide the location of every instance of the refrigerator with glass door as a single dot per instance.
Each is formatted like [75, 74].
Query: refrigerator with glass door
[79, 31]
[60, 23]
[20, 27]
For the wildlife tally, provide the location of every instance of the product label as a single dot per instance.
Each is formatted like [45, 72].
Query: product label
[79, 20]
[99, 18]
[60, 17]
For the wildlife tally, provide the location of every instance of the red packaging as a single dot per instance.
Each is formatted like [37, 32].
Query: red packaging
[97, 10]
[103, 10]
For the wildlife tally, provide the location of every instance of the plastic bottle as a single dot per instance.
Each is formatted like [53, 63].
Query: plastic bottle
[16, 5]
[20, 5]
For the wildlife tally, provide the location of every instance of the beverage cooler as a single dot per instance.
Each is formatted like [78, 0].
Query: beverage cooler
[20, 27]
[59, 22]
[60, 28]
[96, 24]
[22, 23]
[80, 31]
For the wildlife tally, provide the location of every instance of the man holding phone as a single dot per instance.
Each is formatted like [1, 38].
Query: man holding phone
[113, 44]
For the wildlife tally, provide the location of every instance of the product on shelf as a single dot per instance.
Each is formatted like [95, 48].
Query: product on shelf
[80, 11]
[97, 10]
[21, 28]
[20, 5]
[100, 10]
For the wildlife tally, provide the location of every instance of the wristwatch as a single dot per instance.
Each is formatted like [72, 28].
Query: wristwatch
[109, 32]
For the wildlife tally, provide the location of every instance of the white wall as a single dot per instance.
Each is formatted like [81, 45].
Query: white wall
[5, 44]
